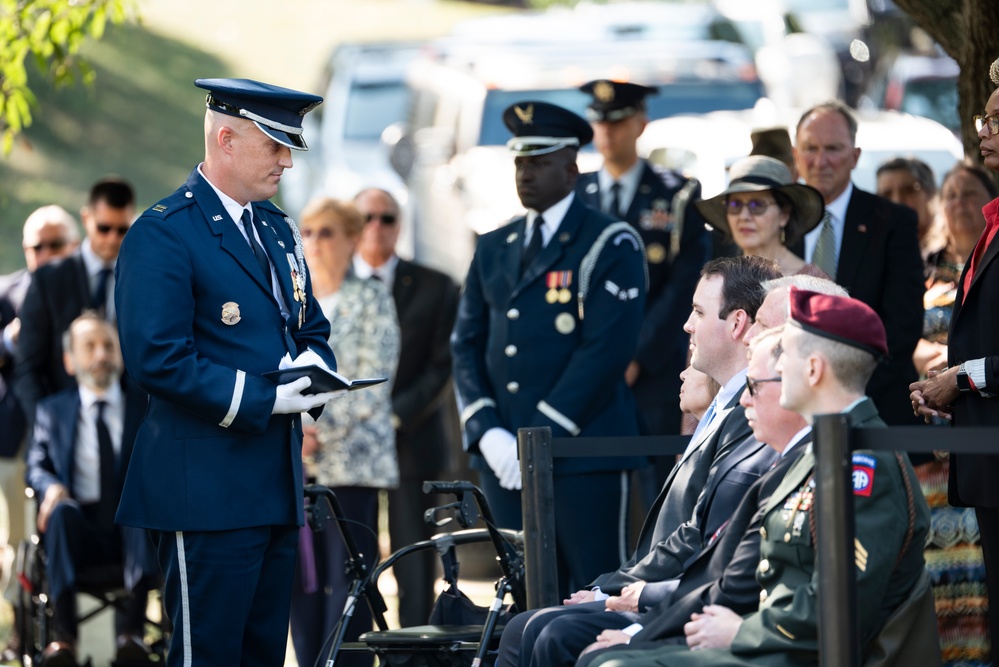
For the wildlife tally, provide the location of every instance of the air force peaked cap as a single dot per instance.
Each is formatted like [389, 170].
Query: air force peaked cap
[277, 111]
[839, 318]
[540, 127]
[615, 100]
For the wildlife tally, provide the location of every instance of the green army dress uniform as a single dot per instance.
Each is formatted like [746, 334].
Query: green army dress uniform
[783, 633]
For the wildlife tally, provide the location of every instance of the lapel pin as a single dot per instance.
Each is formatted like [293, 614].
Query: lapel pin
[512, 237]
[862, 229]
[563, 237]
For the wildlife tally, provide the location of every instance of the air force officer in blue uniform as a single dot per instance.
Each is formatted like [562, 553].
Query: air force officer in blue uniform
[212, 292]
[546, 326]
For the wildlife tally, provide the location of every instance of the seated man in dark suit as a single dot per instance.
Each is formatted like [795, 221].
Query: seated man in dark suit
[830, 347]
[723, 572]
[706, 485]
[77, 458]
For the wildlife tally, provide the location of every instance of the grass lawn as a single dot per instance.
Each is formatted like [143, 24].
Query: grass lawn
[142, 117]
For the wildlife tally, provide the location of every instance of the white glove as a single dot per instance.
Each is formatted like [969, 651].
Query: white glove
[499, 448]
[289, 398]
[307, 358]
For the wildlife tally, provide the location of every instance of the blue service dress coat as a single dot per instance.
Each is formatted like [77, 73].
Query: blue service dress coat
[549, 347]
[675, 256]
[51, 459]
[199, 326]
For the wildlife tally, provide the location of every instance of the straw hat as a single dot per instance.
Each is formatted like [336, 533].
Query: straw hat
[765, 174]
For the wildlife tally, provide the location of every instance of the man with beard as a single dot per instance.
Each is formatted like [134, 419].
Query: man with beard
[76, 461]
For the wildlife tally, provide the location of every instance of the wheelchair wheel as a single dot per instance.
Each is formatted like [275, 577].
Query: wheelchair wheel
[34, 615]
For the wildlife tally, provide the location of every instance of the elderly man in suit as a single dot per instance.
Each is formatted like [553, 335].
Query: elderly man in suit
[422, 401]
[50, 233]
[700, 493]
[76, 461]
[61, 290]
[831, 345]
[868, 245]
[212, 292]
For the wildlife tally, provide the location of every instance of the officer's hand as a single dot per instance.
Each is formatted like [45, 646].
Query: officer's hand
[499, 448]
[715, 627]
[54, 495]
[289, 398]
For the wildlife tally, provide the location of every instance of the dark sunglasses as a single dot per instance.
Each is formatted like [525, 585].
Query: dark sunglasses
[386, 218]
[756, 207]
[751, 384]
[54, 246]
[321, 233]
[104, 228]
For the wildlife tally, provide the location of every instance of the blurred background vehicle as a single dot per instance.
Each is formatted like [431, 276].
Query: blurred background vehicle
[452, 150]
[704, 146]
[365, 91]
[921, 84]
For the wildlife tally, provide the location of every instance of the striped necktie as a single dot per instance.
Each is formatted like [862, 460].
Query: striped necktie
[824, 256]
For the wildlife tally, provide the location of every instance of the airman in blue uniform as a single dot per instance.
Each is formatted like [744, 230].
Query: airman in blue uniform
[548, 321]
[654, 201]
[212, 292]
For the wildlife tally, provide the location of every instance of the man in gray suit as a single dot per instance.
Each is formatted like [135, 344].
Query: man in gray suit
[693, 498]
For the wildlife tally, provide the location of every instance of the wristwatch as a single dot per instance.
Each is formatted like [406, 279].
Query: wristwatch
[963, 381]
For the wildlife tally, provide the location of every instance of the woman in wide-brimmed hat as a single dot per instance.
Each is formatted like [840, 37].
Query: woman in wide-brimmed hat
[764, 211]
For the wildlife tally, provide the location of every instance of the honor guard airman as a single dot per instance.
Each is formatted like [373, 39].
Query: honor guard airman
[548, 321]
[212, 292]
[654, 201]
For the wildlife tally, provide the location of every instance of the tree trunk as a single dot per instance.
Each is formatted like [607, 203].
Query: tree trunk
[967, 30]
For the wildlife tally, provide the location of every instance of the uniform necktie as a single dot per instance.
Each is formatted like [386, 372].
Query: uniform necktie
[824, 256]
[108, 502]
[258, 252]
[534, 246]
[615, 207]
[98, 300]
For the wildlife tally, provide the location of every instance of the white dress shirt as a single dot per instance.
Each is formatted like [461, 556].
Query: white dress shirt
[87, 460]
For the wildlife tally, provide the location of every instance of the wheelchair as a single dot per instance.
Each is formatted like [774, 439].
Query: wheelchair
[104, 585]
[459, 633]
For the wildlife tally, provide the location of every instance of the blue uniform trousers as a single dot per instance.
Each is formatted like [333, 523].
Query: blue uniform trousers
[590, 522]
[228, 594]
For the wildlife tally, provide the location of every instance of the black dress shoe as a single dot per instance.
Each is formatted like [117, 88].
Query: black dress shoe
[131, 649]
[59, 654]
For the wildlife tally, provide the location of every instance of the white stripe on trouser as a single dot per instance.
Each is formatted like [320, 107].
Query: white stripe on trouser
[185, 606]
[622, 519]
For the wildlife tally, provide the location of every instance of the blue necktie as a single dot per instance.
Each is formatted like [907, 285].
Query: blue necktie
[534, 247]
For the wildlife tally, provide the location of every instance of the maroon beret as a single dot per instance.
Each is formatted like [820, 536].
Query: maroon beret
[839, 318]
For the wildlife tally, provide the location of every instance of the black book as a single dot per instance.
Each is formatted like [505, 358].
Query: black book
[322, 380]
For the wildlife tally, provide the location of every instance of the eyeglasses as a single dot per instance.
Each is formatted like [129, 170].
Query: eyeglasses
[751, 384]
[386, 218]
[321, 233]
[757, 207]
[54, 246]
[104, 228]
[991, 121]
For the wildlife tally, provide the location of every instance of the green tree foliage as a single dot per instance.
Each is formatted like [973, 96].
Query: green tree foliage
[51, 33]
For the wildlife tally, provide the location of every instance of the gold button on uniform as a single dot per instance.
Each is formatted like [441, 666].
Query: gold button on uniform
[511, 350]
[513, 314]
[513, 387]
[787, 537]
[763, 532]
[764, 565]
